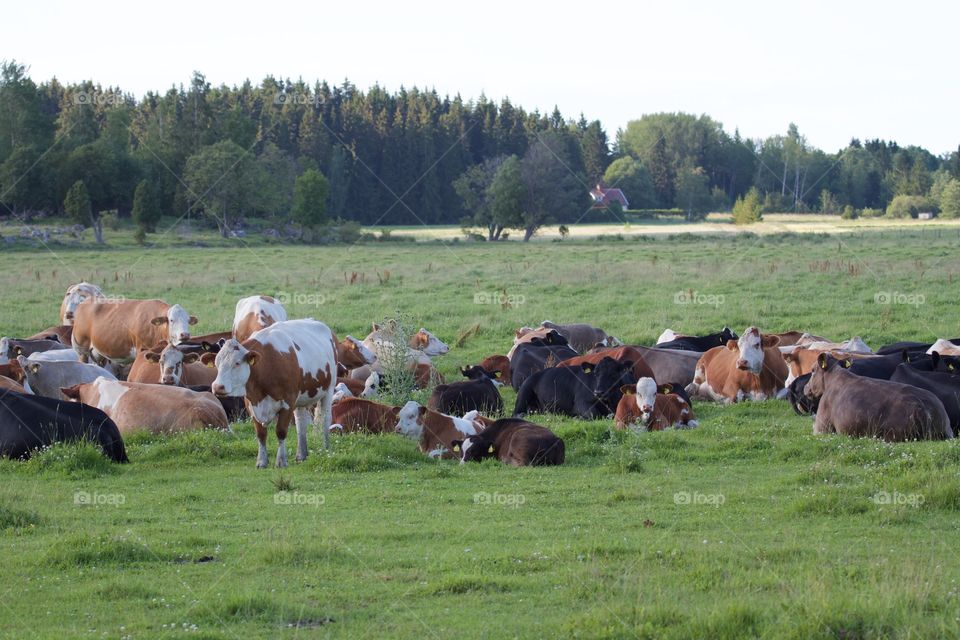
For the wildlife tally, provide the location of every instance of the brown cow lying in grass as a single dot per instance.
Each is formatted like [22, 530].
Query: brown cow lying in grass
[866, 407]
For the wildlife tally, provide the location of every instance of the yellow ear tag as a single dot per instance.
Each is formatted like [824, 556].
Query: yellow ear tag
[490, 450]
[588, 369]
[19, 351]
[823, 364]
[456, 447]
[951, 367]
[847, 364]
[496, 374]
[665, 390]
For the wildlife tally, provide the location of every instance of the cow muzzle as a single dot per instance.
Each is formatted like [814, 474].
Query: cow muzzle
[645, 409]
[168, 380]
[218, 390]
[68, 315]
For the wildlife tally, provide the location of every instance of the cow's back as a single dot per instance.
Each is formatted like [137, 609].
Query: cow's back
[166, 409]
[116, 328]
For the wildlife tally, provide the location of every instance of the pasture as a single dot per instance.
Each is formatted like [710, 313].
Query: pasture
[748, 526]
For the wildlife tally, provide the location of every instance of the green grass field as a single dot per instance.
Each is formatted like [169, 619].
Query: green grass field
[748, 526]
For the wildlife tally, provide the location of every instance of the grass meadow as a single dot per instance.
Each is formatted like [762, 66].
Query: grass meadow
[748, 526]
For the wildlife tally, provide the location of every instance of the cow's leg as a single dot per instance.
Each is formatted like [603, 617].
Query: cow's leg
[283, 424]
[326, 405]
[302, 417]
[262, 440]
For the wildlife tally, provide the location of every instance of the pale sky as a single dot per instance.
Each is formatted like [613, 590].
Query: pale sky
[838, 69]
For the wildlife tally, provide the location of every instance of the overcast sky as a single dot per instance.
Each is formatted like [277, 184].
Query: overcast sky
[838, 69]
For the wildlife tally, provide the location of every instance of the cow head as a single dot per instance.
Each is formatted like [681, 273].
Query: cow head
[728, 334]
[606, 378]
[646, 394]
[171, 361]
[351, 353]
[473, 449]
[76, 295]
[178, 323]
[425, 341]
[750, 347]
[802, 404]
[825, 363]
[410, 419]
[23, 371]
[371, 386]
[340, 392]
[233, 364]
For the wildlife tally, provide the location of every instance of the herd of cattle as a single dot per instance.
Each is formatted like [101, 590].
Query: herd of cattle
[115, 367]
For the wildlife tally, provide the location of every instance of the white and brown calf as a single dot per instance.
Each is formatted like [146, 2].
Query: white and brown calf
[644, 408]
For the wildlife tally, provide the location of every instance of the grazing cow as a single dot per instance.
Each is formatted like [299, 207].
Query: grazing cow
[352, 415]
[28, 423]
[62, 333]
[640, 368]
[946, 386]
[135, 406]
[515, 442]
[47, 378]
[434, 432]
[582, 337]
[479, 392]
[235, 408]
[254, 313]
[588, 391]
[865, 407]
[749, 368]
[647, 407]
[283, 371]
[699, 343]
[117, 330]
[10, 348]
[167, 364]
[537, 355]
[77, 294]
[798, 399]
[498, 366]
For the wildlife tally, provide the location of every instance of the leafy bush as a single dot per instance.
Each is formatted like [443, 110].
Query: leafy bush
[950, 200]
[748, 209]
[871, 213]
[849, 213]
[907, 206]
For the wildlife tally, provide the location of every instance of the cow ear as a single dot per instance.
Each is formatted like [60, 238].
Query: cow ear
[190, 358]
[208, 359]
[422, 410]
[731, 344]
[376, 327]
[251, 357]
[395, 410]
[628, 389]
[151, 356]
[847, 364]
[769, 341]
[71, 392]
[456, 445]
[822, 360]
[193, 320]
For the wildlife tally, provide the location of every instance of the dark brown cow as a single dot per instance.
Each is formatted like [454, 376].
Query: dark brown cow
[856, 406]
[513, 441]
[499, 366]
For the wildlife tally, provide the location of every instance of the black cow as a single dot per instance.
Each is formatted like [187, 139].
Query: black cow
[675, 388]
[478, 393]
[513, 441]
[234, 407]
[912, 347]
[945, 386]
[802, 404]
[588, 391]
[30, 422]
[700, 343]
[537, 355]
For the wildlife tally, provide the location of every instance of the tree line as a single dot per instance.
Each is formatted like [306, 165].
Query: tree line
[286, 152]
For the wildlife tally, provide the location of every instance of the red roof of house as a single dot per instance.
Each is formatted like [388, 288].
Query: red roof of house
[603, 197]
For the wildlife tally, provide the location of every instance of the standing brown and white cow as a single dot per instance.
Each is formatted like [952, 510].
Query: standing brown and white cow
[255, 313]
[116, 330]
[751, 368]
[282, 372]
